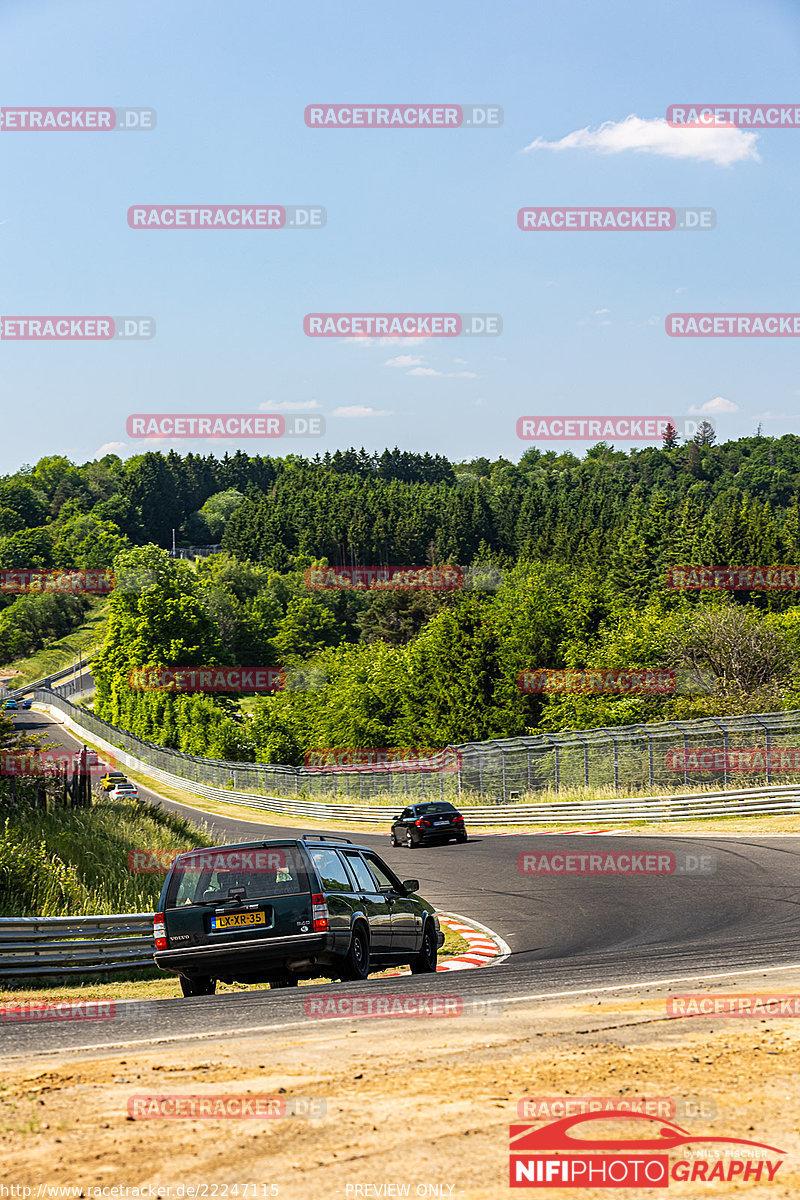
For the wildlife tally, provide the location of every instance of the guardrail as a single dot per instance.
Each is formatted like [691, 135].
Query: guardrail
[45, 681]
[778, 800]
[75, 945]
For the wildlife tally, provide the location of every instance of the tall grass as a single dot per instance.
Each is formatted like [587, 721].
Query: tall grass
[74, 862]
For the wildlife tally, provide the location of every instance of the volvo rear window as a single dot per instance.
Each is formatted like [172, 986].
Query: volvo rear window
[246, 873]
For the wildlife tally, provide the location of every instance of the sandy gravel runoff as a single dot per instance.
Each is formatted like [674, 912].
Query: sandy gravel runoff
[417, 1107]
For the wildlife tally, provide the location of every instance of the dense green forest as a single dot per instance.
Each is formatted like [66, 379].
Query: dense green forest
[567, 556]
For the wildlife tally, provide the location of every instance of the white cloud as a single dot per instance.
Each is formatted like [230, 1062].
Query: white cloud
[443, 374]
[721, 145]
[404, 360]
[718, 405]
[679, 290]
[598, 311]
[462, 362]
[288, 405]
[111, 448]
[359, 410]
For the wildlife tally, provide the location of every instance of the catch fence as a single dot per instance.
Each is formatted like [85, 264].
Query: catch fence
[716, 752]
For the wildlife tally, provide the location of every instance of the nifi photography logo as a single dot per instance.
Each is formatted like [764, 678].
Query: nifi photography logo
[576, 1152]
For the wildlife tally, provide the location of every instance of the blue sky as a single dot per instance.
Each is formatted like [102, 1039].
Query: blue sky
[417, 220]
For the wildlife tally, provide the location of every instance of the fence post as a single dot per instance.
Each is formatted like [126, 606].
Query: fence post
[679, 726]
[724, 748]
[503, 763]
[650, 757]
[585, 758]
[765, 727]
[554, 744]
[609, 734]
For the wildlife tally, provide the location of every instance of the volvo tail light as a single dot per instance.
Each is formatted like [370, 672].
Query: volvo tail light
[160, 931]
[319, 913]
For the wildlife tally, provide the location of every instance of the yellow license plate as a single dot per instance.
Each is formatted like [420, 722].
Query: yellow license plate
[235, 920]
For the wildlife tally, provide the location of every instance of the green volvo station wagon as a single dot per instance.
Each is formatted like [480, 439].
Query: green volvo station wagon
[288, 909]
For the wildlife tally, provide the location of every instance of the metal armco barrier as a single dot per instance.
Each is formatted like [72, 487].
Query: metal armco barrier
[742, 802]
[18, 693]
[75, 945]
[630, 758]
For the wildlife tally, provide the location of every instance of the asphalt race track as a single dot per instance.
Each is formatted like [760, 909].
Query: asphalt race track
[566, 933]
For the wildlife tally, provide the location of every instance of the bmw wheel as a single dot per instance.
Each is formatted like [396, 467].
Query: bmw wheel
[409, 840]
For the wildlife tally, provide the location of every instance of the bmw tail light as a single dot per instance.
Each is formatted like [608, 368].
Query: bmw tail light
[160, 931]
[419, 823]
[319, 913]
[459, 820]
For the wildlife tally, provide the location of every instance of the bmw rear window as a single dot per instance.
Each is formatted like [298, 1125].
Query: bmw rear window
[227, 873]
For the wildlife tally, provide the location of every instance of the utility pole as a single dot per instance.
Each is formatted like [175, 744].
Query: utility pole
[173, 543]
